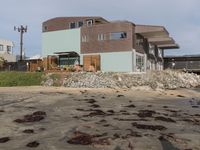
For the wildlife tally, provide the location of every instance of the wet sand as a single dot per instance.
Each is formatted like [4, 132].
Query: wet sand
[50, 118]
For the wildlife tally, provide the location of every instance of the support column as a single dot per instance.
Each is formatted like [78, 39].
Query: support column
[133, 60]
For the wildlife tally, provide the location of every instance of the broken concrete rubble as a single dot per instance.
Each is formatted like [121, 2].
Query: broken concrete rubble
[167, 79]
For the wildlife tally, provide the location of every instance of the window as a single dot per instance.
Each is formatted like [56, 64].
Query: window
[45, 28]
[1, 47]
[80, 23]
[84, 38]
[9, 49]
[72, 25]
[101, 37]
[140, 63]
[118, 35]
[89, 22]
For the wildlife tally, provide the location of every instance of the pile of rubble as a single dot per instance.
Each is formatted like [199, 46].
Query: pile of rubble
[167, 79]
[89, 80]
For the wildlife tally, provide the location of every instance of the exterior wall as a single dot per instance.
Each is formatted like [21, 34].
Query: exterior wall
[141, 44]
[6, 43]
[93, 45]
[7, 55]
[61, 41]
[117, 62]
[62, 23]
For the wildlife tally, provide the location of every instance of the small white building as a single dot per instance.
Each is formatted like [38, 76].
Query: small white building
[6, 50]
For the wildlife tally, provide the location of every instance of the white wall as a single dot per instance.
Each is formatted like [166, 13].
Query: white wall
[6, 43]
[60, 41]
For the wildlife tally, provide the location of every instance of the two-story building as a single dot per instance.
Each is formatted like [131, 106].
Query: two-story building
[6, 50]
[118, 46]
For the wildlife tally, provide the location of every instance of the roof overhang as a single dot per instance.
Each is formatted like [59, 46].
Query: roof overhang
[168, 46]
[161, 40]
[102, 20]
[157, 35]
[148, 31]
[71, 53]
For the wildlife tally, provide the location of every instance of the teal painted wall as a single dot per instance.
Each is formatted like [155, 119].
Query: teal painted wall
[60, 41]
[117, 62]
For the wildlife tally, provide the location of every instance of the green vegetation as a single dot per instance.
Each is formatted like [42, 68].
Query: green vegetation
[20, 78]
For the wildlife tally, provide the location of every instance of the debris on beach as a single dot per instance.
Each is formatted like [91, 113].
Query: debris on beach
[4, 139]
[34, 117]
[81, 138]
[29, 131]
[161, 118]
[33, 144]
[95, 112]
[95, 106]
[130, 106]
[146, 113]
[149, 127]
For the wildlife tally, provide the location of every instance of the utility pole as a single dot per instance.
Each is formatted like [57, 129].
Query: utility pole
[22, 30]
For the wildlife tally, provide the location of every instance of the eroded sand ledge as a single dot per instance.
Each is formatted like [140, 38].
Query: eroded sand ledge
[110, 119]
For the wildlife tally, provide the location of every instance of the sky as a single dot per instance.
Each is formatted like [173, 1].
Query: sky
[180, 17]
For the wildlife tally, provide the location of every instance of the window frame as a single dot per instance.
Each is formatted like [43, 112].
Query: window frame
[1, 47]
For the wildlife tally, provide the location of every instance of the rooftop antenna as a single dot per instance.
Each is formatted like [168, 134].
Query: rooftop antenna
[22, 30]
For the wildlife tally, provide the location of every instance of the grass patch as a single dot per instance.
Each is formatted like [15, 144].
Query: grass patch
[20, 78]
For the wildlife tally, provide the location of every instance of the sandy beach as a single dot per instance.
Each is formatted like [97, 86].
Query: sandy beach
[58, 118]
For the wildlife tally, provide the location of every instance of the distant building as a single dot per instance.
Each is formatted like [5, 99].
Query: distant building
[190, 63]
[119, 46]
[6, 50]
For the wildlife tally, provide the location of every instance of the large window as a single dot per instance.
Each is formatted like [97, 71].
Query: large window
[118, 35]
[1, 47]
[72, 25]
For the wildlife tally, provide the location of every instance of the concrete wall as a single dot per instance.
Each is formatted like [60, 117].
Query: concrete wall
[60, 41]
[117, 62]
[9, 57]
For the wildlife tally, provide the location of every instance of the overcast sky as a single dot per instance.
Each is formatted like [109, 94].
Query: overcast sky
[180, 17]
